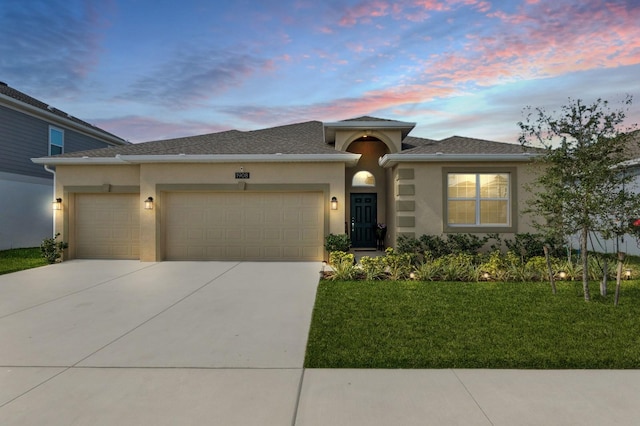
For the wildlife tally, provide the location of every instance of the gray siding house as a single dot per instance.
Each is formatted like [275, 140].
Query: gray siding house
[30, 128]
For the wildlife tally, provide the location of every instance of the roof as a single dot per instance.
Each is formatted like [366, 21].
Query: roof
[25, 99]
[301, 138]
[458, 145]
[293, 142]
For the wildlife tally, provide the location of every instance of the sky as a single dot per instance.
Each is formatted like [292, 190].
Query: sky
[157, 69]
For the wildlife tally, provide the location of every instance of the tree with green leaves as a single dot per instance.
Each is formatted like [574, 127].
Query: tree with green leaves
[581, 186]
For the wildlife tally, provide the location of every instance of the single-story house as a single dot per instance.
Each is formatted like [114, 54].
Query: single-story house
[274, 194]
[31, 128]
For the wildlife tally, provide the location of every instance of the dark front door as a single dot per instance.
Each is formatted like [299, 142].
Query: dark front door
[364, 208]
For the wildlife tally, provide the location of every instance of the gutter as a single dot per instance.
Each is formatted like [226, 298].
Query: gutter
[390, 160]
[349, 159]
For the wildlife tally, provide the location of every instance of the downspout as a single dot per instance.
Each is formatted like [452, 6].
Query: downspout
[53, 172]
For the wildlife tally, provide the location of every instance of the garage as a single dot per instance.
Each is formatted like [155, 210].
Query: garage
[107, 226]
[243, 225]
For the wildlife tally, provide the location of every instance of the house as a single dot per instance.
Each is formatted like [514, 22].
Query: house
[31, 128]
[275, 193]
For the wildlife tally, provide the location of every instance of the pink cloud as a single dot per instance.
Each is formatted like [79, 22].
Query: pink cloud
[545, 39]
[363, 12]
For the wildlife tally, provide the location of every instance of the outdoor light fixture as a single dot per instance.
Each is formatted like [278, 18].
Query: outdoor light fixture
[334, 203]
[562, 275]
[412, 276]
[57, 204]
[627, 274]
[486, 275]
[148, 203]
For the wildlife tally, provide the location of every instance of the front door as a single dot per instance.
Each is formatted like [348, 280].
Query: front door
[364, 208]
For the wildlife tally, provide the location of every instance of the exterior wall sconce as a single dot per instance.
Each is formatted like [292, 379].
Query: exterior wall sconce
[57, 204]
[627, 274]
[334, 203]
[148, 203]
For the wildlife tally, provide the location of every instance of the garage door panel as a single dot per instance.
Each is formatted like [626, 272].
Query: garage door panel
[268, 226]
[107, 226]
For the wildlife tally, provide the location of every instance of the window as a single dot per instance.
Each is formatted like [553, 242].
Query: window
[56, 141]
[478, 200]
[363, 178]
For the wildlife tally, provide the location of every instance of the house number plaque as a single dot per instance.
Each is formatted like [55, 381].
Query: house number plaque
[242, 175]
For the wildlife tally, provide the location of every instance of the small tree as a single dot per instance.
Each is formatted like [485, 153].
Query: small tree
[580, 187]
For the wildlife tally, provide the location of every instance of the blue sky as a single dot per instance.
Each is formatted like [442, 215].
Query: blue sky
[148, 70]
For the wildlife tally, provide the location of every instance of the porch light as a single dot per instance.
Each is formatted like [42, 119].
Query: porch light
[334, 203]
[57, 204]
[627, 274]
[562, 275]
[148, 203]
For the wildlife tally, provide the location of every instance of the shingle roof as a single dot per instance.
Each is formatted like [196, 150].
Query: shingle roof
[458, 145]
[367, 118]
[24, 98]
[300, 138]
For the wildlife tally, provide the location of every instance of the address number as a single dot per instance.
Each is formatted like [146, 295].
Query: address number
[242, 175]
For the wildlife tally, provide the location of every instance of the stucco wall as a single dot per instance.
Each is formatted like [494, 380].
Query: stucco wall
[426, 190]
[154, 179]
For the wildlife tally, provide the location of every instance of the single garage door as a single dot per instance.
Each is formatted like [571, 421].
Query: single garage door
[107, 226]
[244, 226]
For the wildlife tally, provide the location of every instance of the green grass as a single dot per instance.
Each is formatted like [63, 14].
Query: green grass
[386, 324]
[19, 259]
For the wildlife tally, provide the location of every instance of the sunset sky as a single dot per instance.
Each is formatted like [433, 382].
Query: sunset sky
[156, 69]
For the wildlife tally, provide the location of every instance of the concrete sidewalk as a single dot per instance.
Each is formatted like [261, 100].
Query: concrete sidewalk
[191, 343]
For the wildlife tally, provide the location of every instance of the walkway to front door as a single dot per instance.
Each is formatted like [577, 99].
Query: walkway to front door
[364, 209]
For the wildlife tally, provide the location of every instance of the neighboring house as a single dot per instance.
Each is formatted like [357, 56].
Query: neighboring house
[30, 128]
[628, 244]
[276, 193]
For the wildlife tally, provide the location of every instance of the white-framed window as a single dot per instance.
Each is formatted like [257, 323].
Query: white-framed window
[56, 141]
[478, 199]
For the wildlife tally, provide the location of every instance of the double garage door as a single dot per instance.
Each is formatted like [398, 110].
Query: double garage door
[205, 226]
[243, 225]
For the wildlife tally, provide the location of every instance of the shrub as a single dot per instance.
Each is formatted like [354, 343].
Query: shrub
[373, 267]
[337, 242]
[527, 245]
[339, 256]
[465, 243]
[428, 270]
[457, 267]
[52, 250]
[398, 265]
[537, 268]
[343, 267]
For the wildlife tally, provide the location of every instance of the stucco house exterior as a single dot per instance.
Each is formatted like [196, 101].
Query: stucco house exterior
[31, 128]
[275, 193]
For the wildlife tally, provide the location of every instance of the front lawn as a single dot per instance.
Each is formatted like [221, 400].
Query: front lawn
[19, 259]
[409, 324]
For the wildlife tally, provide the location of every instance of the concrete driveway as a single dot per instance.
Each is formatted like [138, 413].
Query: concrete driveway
[222, 343]
[125, 342]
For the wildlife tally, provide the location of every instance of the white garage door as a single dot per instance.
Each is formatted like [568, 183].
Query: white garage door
[244, 226]
[107, 226]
